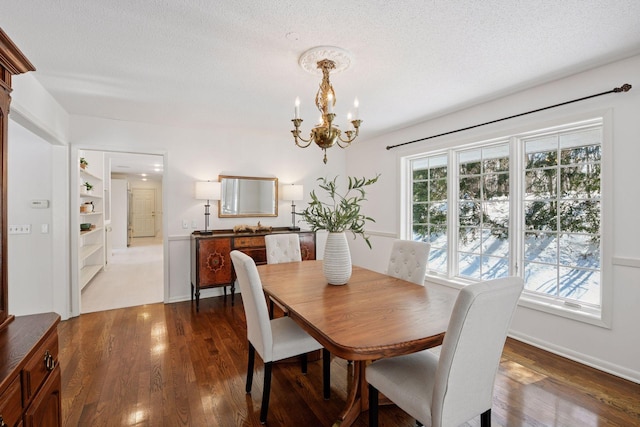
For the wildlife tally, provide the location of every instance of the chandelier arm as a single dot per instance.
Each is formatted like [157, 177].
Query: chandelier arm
[308, 141]
[347, 142]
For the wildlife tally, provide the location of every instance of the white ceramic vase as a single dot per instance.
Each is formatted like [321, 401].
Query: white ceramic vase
[336, 265]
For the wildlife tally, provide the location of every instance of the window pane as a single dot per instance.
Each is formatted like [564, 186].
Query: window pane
[496, 215]
[580, 250]
[470, 188]
[494, 242]
[540, 184]
[429, 209]
[469, 213]
[581, 285]
[420, 191]
[438, 214]
[438, 189]
[469, 239]
[581, 139]
[494, 267]
[541, 247]
[540, 216]
[580, 216]
[582, 182]
[541, 278]
[469, 265]
[496, 185]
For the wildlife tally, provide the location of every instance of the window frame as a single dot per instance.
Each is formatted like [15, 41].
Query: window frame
[597, 316]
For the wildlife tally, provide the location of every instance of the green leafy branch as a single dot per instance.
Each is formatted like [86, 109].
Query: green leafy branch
[343, 212]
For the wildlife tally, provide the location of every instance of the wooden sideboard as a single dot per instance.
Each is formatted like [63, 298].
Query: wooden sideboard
[211, 265]
[29, 372]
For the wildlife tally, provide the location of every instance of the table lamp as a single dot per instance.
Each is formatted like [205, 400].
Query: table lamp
[293, 192]
[207, 190]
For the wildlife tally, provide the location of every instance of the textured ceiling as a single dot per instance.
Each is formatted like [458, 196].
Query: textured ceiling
[234, 63]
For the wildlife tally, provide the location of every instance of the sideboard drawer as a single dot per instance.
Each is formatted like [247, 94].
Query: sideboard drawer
[259, 255]
[248, 242]
[39, 366]
[11, 404]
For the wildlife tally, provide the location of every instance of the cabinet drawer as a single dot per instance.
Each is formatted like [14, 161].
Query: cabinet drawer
[259, 255]
[11, 404]
[248, 242]
[35, 371]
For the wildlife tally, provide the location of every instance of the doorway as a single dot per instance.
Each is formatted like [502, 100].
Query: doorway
[134, 258]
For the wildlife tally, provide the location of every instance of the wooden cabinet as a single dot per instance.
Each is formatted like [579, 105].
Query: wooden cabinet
[211, 265]
[29, 372]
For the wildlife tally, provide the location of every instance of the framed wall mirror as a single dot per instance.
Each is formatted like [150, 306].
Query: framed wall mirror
[247, 196]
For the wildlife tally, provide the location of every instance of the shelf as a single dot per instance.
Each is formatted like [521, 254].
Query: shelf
[86, 232]
[90, 196]
[87, 273]
[85, 172]
[88, 250]
[90, 213]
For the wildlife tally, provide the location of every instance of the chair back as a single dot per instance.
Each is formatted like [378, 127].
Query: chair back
[282, 248]
[408, 260]
[255, 305]
[471, 350]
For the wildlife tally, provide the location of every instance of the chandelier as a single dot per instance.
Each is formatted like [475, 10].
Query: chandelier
[326, 133]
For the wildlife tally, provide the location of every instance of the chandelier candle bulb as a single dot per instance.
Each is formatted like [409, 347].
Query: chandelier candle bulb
[297, 109]
[356, 104]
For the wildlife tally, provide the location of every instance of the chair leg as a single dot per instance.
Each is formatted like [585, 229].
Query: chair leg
[265, 392]
[271, 308]
[373, 406]
[251, 359]
[303, 363]
[326, 374]
[485, 418]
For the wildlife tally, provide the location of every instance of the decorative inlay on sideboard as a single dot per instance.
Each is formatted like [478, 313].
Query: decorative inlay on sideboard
[215, 261]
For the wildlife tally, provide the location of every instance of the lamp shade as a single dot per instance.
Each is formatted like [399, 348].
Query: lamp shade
[292, 192]
[207, 190]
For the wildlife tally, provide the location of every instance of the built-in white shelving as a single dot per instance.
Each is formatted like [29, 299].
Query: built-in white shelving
[91, 243]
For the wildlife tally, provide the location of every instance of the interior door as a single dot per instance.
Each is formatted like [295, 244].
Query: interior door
[144, 205]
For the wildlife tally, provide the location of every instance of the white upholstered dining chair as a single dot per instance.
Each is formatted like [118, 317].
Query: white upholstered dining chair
[281, 248]
[408, 260]
[450, 389]
[272, 339]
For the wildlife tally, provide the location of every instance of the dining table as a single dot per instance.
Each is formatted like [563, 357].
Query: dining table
[373, 316]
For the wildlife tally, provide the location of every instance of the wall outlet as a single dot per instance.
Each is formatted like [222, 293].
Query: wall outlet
[194, 224]
[185, 224]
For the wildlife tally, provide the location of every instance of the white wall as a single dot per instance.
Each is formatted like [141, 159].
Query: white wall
[617, 349]
[30, 265]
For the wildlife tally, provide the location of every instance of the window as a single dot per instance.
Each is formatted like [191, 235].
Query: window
[483, 212]
[527, 205]
[562, 215]
[429, 207]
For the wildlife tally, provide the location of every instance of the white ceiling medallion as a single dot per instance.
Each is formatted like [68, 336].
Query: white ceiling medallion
[309, 59]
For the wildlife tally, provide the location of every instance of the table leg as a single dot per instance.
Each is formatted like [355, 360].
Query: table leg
[358, 398]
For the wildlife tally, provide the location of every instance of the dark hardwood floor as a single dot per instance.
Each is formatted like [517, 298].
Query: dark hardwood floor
[166, 365]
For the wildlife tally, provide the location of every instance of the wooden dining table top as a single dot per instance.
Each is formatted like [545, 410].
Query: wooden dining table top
[373, 316]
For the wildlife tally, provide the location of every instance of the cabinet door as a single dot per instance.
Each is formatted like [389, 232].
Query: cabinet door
[45, 408]
[214, 262]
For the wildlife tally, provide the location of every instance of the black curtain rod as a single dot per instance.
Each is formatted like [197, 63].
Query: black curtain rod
[624, 88]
